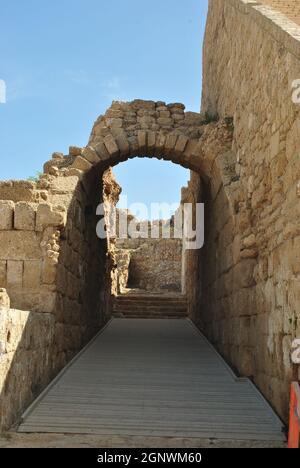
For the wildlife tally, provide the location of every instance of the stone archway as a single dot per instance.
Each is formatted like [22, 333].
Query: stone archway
[52, 263]
[152, 129]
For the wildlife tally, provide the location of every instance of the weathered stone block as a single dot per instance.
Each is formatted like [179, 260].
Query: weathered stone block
[244, 273]
[47, 215]
[75, 151]
[15, 273]
[101, 149]
[123, 144]
[142, 140]
[32, 274]
[275, 145]
[19, 245]
[57, 155]
[6, 214]
[111, 145]
[24, 216]
[90, 155]
[181, 144]
[3, 271]
[82, 164]
[171, 142]
[151, 141]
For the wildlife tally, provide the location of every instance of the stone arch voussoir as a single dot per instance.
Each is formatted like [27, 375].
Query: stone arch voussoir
[149, 129]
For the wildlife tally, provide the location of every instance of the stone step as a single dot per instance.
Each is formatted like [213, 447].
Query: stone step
[148, 306]
[149, 314]
[181, 300]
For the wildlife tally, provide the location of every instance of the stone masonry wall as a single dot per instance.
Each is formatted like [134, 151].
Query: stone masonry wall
[155, 265]
[54, 266]
[251, 57]
[191, 259]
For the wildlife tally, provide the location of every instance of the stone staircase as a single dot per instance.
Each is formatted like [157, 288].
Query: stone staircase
[146, 305]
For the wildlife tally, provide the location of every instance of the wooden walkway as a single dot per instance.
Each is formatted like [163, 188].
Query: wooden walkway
[152, 377]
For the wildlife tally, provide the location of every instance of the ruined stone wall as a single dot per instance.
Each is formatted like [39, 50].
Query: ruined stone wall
[54, 266]
[250, 301]
[156, 265]
[27, 341]
[151, 264]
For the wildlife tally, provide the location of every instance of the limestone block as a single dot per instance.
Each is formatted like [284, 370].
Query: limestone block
[82, 164]
[165, 122]
[151, 141]
[181, 144]
[171, 142]
[111, 146]
[75, 151]
[57, 155]
[275, 145]
[65, 185]
[90, 155]
[165, 114]
[19, 245]
[295, 256]
[244, 273]
[3, 270]
[24, 216]
[160, 144]
[100, 148]
[73, 172]
[178, 117]
[15, 273]
[32, 274]
[122, 143]
[47, 301]
[49, 272]
[47, 215]
[6, 214]
[4, 299]
[249, 242]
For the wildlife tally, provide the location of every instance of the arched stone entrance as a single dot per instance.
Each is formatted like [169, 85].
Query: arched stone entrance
[152, 129]
[53, 264]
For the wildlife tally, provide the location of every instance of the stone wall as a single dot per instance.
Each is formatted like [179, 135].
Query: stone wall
[27, 341]
[251, 266]
[151, 261]
[54, 266]
[154, 264]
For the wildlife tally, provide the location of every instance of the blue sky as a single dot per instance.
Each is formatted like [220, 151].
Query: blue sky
[64, 61]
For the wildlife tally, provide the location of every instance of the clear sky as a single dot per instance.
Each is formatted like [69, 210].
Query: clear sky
[64, 61]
